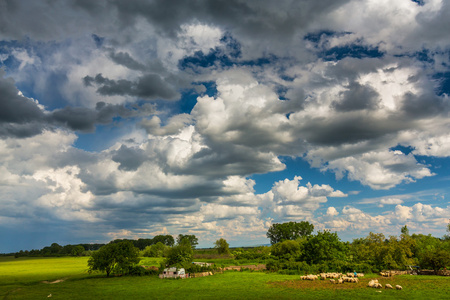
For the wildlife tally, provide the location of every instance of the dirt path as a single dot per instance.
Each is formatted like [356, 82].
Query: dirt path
[52, 282]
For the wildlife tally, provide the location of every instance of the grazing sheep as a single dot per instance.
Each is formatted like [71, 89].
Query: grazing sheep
[398, 287]
[309, 277]
[350, 279]
[375, 284]
[388, 286]
[372, 282]
[340, 281]
[332, 280]
[330, 275]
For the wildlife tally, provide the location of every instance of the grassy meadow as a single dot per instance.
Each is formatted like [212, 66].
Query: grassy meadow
[34, 278]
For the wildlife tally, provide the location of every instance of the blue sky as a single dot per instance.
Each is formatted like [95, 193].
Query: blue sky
[133, 119]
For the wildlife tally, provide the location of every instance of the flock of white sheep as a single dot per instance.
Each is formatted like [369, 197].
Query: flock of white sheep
[339, 278]
[375, 284]
[335, 277]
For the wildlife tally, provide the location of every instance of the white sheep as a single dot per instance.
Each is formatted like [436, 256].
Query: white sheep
[388, 286]
[309, 277]
[398, 287]
[375, 284]
[332, 280]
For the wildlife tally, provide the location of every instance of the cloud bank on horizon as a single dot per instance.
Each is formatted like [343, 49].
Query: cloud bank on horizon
[218, 118]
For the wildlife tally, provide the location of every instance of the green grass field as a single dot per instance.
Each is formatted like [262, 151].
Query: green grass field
[23, 278]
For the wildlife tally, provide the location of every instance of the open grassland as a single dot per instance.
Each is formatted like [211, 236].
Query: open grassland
[23, 279]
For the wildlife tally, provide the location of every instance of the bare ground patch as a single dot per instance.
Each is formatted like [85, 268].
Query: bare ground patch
[53, 282]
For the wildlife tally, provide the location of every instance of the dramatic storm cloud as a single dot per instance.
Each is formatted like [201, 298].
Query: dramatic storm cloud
[219, 118]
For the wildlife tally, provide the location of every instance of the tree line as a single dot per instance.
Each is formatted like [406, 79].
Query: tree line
[86, 249]
[295, 249]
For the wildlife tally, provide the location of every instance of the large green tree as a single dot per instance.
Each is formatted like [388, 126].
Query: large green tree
[114, 258]
[222, 246]
[192, 239]
[167, 240]
[431, 252]
[156, 250]
[289, 231]
[180, 255]
[287, 249]
[324, 246]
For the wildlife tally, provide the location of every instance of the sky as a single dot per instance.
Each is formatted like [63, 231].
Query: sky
[130, 119]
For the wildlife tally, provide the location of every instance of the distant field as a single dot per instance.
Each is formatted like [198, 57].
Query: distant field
[23, 278]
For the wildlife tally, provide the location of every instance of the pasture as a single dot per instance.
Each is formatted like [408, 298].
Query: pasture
[67, 278]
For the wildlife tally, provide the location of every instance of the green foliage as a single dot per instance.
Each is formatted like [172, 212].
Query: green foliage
[431, 252]
[253, 254]
[77, 250]
[222, 246]
[289, 250]
[323, 247]
[368, 250]
[156, 250]
[193, 241]
[193, 268]
[289, 231]
[114, 258]
[167, 240]
[405, 231]
[180, 255]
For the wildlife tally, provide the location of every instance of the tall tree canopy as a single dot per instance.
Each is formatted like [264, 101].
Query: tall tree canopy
[193, 240]
[324, 246]
[289, 231]
[180, 255]
[114, 258]
[222, 246]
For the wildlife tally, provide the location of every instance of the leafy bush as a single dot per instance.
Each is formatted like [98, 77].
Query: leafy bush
[193, 268]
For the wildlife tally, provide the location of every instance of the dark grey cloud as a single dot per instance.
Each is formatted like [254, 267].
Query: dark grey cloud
[16, 108]
[22, 117]
[357, 97]
[124, 59]
[75, 118]
[149, 86]
[20, 130]
[227, 159]
[254, 19]
[85, 119]
[51, 19]
[207, 191]
[19, 115]
[351, 127]
[129, 158]
[424, 105]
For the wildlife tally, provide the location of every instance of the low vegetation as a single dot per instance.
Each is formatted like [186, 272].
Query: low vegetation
[295, 250]
[68, 278]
